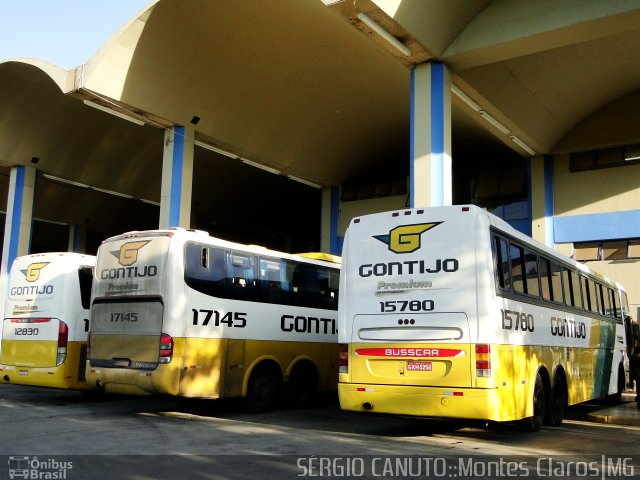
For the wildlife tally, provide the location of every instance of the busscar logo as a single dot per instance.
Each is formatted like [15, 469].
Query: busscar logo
[406, 238]
[128, 253]
[32, 273]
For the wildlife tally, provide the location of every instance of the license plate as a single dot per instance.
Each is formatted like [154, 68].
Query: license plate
[23, 372]
[420, 366]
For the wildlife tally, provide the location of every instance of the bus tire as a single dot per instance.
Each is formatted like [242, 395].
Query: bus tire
[539, 400]
[558, 400]
[263, 389]
[302, 386]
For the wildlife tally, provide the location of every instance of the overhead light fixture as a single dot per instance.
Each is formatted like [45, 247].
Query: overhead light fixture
[465, 98]
[215, 149]
[96, 189]
[494, 122]
[302, 180]
[393, 41]
[522, 145]
[631, 154]
[261, 167]
[124, 116]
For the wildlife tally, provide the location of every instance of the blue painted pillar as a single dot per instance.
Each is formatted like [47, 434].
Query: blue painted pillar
[431, 183]
[329, 240]
[77, 238]
[541, 199]
[17, 227]
[177, 177]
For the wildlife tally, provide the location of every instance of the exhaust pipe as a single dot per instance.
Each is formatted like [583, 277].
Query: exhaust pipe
[368, 406]
[99, 386]
[6, 378]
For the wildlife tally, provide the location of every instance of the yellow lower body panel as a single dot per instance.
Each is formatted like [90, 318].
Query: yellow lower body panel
[65, 376]
[464, 403]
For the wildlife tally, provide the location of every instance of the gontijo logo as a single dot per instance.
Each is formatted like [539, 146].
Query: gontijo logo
[128, 253]
[405, 238]
[32, 273]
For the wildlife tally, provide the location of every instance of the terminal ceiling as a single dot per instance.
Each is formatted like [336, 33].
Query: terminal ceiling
[308, 90]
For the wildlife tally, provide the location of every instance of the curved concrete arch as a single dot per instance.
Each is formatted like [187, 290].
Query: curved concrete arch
[612, 125]
[288, 84]
[60, 76]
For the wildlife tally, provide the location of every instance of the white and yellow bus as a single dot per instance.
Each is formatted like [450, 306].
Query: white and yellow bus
[181, 313]
[46, 320]
[450, 312]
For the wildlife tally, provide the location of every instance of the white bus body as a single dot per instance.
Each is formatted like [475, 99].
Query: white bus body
[426, 327]
[182, 313]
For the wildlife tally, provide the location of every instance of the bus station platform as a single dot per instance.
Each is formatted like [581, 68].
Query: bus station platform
[626, 413]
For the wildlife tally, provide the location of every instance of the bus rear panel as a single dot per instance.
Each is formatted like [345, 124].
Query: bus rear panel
[46, 321]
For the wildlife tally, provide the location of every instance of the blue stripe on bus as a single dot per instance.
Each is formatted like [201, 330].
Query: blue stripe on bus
[177, 163]
[597, 226]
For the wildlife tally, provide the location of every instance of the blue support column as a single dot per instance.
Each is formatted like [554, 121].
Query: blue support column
[548, 201]
[19, 219]
[431, 182]
[177, 177]
[77, 238]
[329, 240]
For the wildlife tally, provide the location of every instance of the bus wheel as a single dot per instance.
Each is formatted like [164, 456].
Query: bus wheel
[262, 390]
[302, 386]
[559, 401]
[534, 423]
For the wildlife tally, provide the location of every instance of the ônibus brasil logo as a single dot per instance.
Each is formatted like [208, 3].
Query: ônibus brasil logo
[405, 238]
[32, 273]
[128, 253]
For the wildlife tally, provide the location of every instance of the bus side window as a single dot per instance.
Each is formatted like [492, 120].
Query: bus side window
[328, 285]
[204, 269]
[607, 295]
[517, 268]
[501, 265]
[614, 304]
[576, 290]
[591, 302]
[272, 281]
[531, 272]
[556, 282]
[85, 275]
[545, 278]
[566, 284]
[240, 277]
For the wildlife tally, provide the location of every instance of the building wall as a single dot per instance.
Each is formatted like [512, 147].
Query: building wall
[601, 204]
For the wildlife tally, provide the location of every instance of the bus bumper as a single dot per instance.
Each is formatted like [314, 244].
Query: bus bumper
[463, 403]
[165, 379]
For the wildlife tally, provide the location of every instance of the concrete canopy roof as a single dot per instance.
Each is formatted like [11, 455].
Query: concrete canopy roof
[307, 89]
